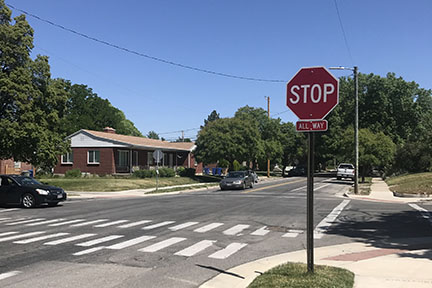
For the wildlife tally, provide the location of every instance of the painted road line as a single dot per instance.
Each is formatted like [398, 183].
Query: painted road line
[271, 186]
[228, 251]
[158, 225]
[70, 239]
[88, 251]
[89, 223]
[130, 242]
[261, 231]
[7, 219]
[35, 239]
[182, 226]
[9, 274]
[45, 222]
[325, 224]
[235, 230]
[8, 238]
[8, 210]
[8, 233]
[292, 233]
[99, 240]
[424, 213]
[325, 185]
[24, 221]
[196, 248]
[297, 189]
[133, 224]
[208, 227]
[111, 223]
[163, 244]
[67, 222]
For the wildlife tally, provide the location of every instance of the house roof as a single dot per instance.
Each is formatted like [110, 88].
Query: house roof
[139, 141]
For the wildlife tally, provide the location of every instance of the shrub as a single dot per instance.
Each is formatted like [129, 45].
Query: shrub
[166, 172]
[73, 173]
[180, 171]
[144, 173]
[236, 165]
[187, 172]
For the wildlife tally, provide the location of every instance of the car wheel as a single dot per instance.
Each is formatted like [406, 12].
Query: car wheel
[28, 201]
[338, 178]
[244, 186]
[251, 184]
[52, 204]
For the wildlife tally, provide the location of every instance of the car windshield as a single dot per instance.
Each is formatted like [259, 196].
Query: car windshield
[22, 180]
[237, 174]
[346, 166]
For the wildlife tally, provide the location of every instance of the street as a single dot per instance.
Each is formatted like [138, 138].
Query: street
[184, 239]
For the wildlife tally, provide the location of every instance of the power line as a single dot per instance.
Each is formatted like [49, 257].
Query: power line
[142, 54]
[343, 33]
[179, 131]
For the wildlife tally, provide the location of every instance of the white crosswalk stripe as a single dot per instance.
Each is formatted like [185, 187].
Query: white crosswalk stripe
[8, 233]
[196, 248]
[5, 220]
[89, 223]
[45, 222]
[8, 210]
[235, 230]
[154, 226]
[182, 226]
[24, 221]
[261, 231]
[228, 251]
[70, 239]
[9, 274]
[133, 224]
[292, 233]
[325, 224]
[208, 227]
[163, 244]
[66, 222]
[111, 223]
[130, 242]
[99, 240]
[14, 237]
[40, 238]
[88, 251]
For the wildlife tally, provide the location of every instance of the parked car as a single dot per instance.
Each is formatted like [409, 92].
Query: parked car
[237, 179]
[345, 170]
[28, 192]
[296, 171]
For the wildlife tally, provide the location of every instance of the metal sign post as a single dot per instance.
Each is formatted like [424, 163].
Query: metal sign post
[309, 203]
[157, 155]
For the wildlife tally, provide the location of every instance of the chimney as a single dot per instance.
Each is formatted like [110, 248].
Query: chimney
[109, 130]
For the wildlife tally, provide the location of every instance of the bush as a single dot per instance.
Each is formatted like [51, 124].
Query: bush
[180, 170]
[73, 173]
[187, 172]
[144, 173]
[236, 165]
[166, 172]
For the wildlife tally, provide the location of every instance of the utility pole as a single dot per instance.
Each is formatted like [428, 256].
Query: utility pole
[182, 136]
[268, 115]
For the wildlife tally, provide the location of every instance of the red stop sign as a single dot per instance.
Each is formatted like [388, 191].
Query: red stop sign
[312, 93]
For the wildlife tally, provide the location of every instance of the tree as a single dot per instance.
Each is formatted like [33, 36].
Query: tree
[212, 117]
[153, 135]
[31, 103]
[375, 150]
[180, 139]
[226, 140]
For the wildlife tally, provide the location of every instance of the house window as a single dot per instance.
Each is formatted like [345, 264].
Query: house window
[149, 158]
[93, 157]
[135, 158]
[17, 164]
[67, 158]
[123, 158]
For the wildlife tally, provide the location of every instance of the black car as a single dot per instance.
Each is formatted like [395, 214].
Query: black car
[237, 179]
[297, 171]
[28, 192]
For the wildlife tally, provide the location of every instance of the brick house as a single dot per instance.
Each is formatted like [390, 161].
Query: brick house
[107, 153]
[9, 166]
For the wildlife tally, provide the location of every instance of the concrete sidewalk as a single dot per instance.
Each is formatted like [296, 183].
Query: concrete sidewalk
[380, 265]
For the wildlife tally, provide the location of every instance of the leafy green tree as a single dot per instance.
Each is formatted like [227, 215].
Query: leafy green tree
[31, 103]
[227, 139]
[153, 135]
[212, 117]
[180, 139]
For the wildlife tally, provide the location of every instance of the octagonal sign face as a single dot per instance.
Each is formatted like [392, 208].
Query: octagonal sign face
[312, 93]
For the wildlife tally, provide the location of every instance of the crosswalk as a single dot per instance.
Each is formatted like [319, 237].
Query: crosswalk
[217, 235]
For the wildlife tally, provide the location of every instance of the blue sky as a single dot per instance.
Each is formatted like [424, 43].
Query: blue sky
[259, 39]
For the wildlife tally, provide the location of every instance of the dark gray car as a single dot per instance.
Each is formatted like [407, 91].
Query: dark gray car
[237, 180]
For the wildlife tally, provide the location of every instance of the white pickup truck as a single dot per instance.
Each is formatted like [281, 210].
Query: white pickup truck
[345, 170]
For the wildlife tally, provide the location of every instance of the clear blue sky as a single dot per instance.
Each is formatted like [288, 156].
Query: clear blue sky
[250, 38]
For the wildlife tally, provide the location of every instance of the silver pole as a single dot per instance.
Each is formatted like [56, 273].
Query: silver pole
[356, 137]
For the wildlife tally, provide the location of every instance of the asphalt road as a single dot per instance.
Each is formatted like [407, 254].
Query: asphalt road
[185, 239]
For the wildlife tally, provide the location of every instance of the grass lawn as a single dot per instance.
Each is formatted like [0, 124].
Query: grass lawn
[420, 183]
[106, 184]
[295, 275]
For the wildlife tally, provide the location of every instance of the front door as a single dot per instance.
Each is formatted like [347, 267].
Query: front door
[123, 160]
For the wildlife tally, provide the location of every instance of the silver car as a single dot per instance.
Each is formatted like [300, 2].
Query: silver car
[238, 180]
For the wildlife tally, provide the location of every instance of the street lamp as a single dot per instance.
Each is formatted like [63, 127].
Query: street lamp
[356, 140]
